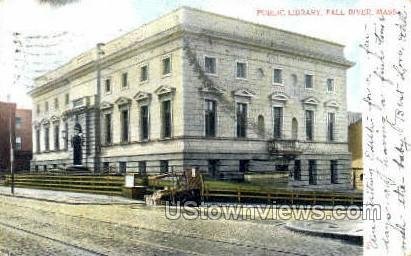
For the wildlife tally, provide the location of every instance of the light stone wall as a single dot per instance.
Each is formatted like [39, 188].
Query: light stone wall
[187, 35]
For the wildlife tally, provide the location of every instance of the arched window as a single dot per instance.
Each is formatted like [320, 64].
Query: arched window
[261, 125]
[294, 129]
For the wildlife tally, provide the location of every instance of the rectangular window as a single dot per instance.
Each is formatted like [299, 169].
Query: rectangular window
[210, 65]
[122, 167]
[241, 120]
[297, 170]
[56, 103]
[278, 76]
[106, 166]
[144, 123]
[107, 85]
[213, 167]
[308, 81]
[46, 106]
[144, 73]
[334, 173]
[241, 70]
[66, 135]
[46, 139]
[18, 122]
[18, 143]
[330, 85]
[312, 172]
[210, 118]
[278, 122]
[166, 119]
[309, 124]
[330, 126]
[244, 165]
[56, 137]
[38, 140]
[124, 126]
[67, 99]
[124, 80]
[107, 129]
[142, 167]
[166, 66]
[163, 166]
[38, 109]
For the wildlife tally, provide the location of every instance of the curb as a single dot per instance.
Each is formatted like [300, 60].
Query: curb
[351, 238]
[68, 203]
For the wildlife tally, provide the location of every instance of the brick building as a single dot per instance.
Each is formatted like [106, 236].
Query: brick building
[20, 123]
[194, 88]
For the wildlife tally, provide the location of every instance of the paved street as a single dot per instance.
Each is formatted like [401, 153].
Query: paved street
[32, 227]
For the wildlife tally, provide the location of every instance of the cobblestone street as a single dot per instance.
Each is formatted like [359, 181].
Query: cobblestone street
[31, 227]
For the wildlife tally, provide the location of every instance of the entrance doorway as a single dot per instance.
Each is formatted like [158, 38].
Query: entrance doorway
[77, 145]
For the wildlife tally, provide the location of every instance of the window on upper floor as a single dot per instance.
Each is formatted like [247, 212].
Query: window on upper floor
[18, 122]
[309, 81]
[278, 122]
[309, 124]
[330, 85]
[166, 119]
[124, 125]
[241, 120]
[210, 118]
[144, 73]
[67, 99]
[107, 129]
[277, 76]
[124, 80]
[241, 70]
[56, 103]
[46, 106]
[334, 172]
[38, 140]
[57, 137]
[18, 143]
[107, 85]
[330, 126]
[210, 65]
[166, 66]
[144, 122]
[46, 139]
[38, 109]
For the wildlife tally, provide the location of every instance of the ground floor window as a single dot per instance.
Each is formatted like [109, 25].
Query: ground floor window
[106, 166]
[297, 170]
[163, 166]
[244, 165]
[142, 167]
[213, 167]
[312, 172]
[333, 169]
[122, 167]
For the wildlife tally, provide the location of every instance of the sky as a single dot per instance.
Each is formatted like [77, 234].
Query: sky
[50, 35]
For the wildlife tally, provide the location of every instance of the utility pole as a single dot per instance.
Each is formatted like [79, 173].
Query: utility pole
[11, 147]
[97, 128]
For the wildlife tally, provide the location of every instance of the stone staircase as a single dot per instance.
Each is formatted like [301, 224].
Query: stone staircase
[106, 185]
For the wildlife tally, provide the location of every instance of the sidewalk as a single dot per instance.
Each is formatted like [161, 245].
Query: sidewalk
[66, 197]
[351, 230]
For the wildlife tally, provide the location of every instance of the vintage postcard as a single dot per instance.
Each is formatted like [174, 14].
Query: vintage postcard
[191, 127]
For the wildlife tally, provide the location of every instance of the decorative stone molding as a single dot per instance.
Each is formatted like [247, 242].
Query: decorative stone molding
[164, 90]
[122, 101]
[142, 96]
[45, 122]
[106, 105]
[211, 90]
[54, 119]
[279, 96]
[332, 104]
[244, 93]
[311, 101]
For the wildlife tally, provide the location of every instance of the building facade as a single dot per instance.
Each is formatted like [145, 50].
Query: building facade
[355, 147]
[186, 90]
[17, 124]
